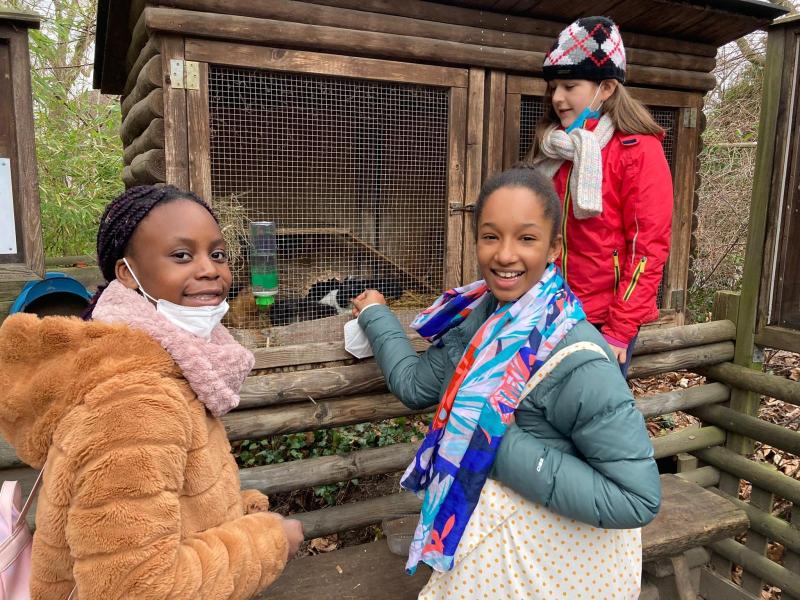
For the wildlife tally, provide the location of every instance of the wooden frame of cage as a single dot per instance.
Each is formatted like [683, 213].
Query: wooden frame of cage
[205, 52]
[16, 109]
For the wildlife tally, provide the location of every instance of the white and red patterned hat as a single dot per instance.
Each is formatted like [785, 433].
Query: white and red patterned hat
[590, 48]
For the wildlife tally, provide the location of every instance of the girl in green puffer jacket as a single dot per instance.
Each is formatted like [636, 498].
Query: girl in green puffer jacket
[537, 472]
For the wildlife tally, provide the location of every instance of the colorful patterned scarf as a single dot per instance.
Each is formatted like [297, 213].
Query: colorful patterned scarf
[455, 458]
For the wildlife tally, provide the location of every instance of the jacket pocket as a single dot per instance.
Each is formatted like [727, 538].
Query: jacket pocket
[616, 271]
[635, 278]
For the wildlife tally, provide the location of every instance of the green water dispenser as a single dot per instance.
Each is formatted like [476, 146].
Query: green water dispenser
[264, 262]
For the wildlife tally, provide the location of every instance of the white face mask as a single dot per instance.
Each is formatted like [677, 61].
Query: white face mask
[197, 320]
[355, 340]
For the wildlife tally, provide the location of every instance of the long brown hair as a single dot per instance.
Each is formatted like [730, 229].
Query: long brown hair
[627, 113]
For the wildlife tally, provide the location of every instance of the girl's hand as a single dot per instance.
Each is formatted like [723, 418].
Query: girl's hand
[294, 535]
[620, 353]
[366, 298]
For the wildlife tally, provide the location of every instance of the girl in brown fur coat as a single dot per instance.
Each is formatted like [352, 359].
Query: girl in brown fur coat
[141, 494]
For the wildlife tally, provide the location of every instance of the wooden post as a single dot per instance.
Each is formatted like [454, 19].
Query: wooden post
[494, 123]
[199, 137]
[475, 137]
[761, 499]
[791, 559]
[176, 144]
[457, 137]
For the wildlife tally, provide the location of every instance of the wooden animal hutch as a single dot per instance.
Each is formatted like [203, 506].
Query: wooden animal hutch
[365, 127]
[21, 256]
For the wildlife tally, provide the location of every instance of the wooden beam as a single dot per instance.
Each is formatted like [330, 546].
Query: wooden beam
[757, 474]
[754, 381]
[768, 570]
[310, 472]
[294, 418]
[299, 61]
[362, 20]
[687, 440]
[389, 45]
[753, 427]
[431, 11]
[511, 130]
[494, 120]
[456, 185]
[684, 336]
[152, 137]
[320, 352]
[675, 360]
[149, 168]
[783, 338]
[141, 115]
[199, 137]
[149, 78]
[149, 51]
[705, 477]
[669, 402]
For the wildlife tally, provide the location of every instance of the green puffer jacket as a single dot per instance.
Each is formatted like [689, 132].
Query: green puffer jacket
[579, 445]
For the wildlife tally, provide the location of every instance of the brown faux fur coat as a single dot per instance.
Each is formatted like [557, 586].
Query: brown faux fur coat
[141, 494]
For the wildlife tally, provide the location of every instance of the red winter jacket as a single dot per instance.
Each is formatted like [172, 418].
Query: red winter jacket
[614, 262]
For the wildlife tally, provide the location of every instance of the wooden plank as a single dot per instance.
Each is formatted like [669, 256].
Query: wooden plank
[690, 516]
[199, 137]
[706, 477]
[298, 61]
[309, 472]
[687, 358]
[762, 500]
[754, 381]
[25, 154]
[367, 571]
[295, 418]
[300, 35]
[431, 11]
[176, 145]
[494, 121]
[782, 338]
[473, 170]
[456, 160]
[511, 130]
[683, 177]
[389, 45]
[526, 85]
[684, 336]
[335, 16]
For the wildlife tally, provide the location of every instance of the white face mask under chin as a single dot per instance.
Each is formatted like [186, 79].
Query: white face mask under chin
[197, 320]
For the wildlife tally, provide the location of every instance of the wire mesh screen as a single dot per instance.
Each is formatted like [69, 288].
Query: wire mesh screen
[532, 109]
[353, 172]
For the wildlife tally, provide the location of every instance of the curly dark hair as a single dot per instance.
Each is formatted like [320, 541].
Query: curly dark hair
[121, 218]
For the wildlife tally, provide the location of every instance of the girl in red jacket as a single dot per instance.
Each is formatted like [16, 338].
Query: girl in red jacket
[603, 150]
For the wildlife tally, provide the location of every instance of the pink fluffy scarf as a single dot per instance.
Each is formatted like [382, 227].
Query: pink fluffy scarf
[215, 369]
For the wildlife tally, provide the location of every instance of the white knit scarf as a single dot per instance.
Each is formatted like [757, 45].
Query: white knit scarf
[583, 148]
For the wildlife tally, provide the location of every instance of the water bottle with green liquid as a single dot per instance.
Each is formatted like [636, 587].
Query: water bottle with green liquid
[264, 262]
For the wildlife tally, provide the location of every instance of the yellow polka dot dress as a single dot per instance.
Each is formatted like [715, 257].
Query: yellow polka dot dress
[514, 548]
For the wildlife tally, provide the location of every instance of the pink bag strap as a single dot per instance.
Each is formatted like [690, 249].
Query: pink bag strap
[29, 500]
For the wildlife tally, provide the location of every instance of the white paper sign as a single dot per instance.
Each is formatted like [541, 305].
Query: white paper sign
[8, 232]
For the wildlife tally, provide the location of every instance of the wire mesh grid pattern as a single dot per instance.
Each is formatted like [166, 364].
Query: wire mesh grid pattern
[532, 109]
[353, 172]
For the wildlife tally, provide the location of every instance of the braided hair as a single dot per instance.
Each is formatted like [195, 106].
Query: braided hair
[121, 218]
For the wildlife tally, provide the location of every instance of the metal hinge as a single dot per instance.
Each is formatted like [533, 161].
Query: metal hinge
[455, 207]
[690, 118]
[184, 74]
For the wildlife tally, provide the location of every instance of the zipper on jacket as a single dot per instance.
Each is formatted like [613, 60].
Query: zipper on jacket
[635, 278]
[616, 271]
[567, 202]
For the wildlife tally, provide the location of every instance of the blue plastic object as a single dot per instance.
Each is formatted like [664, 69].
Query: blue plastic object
[53, 283]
